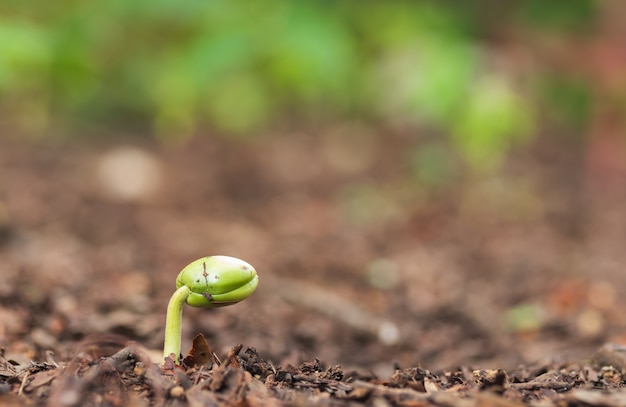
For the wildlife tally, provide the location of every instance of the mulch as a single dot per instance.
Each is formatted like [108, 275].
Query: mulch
[100, 375]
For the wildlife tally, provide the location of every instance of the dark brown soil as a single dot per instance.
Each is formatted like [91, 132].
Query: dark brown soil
[374, 288]
[129, 377]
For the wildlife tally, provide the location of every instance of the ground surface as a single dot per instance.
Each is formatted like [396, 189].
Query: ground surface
[374, 290]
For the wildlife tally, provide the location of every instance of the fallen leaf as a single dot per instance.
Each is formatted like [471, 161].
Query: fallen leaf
[200, 353]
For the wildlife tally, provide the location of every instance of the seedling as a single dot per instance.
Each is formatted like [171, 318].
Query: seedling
[208, 282]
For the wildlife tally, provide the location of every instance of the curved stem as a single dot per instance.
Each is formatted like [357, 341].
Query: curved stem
[174, 323]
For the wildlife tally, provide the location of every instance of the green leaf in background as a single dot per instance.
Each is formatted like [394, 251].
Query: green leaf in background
[25, 54]
[428, 81]
[311, 55]
[190, 81]
[239, 66]
[239, 104]
[426, 62]
[556, 15]
[493, 119]
[525, 318]
[24, 48]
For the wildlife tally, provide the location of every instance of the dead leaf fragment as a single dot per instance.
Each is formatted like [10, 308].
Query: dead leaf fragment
[200, 353]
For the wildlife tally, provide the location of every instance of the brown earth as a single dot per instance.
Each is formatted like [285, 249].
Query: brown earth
[375, 288]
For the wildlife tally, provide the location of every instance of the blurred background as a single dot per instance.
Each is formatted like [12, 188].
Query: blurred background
[417, 182]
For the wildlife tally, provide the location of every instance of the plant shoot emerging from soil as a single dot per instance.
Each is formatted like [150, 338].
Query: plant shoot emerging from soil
[208, 282]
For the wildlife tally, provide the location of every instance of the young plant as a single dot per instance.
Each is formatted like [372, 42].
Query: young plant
[208, 282]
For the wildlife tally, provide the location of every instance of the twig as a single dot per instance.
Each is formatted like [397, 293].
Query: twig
[534, 385]
[21, 390]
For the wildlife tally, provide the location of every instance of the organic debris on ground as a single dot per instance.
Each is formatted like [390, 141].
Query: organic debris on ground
[244, 378]
[367, 269]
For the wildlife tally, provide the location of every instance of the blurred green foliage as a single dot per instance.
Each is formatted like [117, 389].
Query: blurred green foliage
[574, 16]
[172, 67]
[525, 318]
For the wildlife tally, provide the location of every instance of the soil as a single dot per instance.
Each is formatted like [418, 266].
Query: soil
[376, 287]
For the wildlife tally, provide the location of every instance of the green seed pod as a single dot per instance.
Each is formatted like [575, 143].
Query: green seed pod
[217, 281]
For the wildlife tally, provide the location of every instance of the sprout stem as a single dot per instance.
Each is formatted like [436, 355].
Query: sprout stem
[174, 323]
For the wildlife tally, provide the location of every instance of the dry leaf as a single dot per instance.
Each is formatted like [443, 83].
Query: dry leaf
[200, 353]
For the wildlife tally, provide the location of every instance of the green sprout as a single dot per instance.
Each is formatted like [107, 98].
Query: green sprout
[208, 282]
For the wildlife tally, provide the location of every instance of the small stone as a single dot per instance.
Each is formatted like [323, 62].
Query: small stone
[129, 174]
[177, 392]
